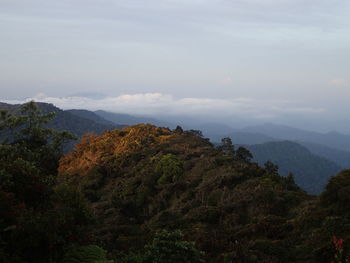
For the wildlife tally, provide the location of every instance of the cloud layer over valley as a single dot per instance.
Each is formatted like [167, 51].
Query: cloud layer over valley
[164, 105]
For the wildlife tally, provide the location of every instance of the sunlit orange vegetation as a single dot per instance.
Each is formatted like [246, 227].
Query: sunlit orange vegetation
[94, 149]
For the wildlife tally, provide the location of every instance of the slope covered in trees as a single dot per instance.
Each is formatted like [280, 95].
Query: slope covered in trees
[143, 179]
[90, 115]
[126, 119]
[311, 172]
[75, 122]
[147, 194]
[340, 157]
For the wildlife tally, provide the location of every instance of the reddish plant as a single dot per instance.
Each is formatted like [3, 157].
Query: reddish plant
[339, 256]
[338, 243]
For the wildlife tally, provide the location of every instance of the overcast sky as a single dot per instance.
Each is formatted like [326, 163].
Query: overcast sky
[273, 60]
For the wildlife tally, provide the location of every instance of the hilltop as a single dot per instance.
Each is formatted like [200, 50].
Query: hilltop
[143, 178]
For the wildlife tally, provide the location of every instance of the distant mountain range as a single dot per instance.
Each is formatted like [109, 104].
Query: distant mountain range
[92, 116]
[281, 132]
[317, 143]
[126, 119]
[341, 157]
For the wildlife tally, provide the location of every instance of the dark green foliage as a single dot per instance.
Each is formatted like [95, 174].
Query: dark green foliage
[170, 169]
[170, 247]
[244, 154]
[29, 160]
[271, 168]
[227, 146]
[132, 258]
[166, 247]
[38, 220]
[178, 129]
[29, 128]
[86, 254]
[41, 236]
[323, 219]
[337, 194]
[196, 133]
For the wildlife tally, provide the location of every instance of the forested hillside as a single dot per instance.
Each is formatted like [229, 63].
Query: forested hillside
[340, 157]
[90, 115]
[146, 194]
[143, 179]
[126, 119]
[76, 122]
[291, 159]
[311, 172]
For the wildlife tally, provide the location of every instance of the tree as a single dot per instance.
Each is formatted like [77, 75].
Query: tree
[170, 168]
[337, 193]
[29, 156]
[34, 133]
[227, 146]
[196, 133]
[40, 218]
[244, 154]
[86, 254]
[170, 247]
[271, 168]
[178, 129]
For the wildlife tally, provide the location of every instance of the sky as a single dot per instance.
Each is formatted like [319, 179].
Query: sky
[284, 61]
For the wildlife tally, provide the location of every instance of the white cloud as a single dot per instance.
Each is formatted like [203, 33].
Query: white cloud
[163, 104]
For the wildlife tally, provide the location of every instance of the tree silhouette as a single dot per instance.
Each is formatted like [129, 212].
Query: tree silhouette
[227, 146]
[244, 154]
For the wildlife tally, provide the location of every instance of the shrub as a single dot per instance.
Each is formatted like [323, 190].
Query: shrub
[170, 168]
[170, 247]
[86, 254]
